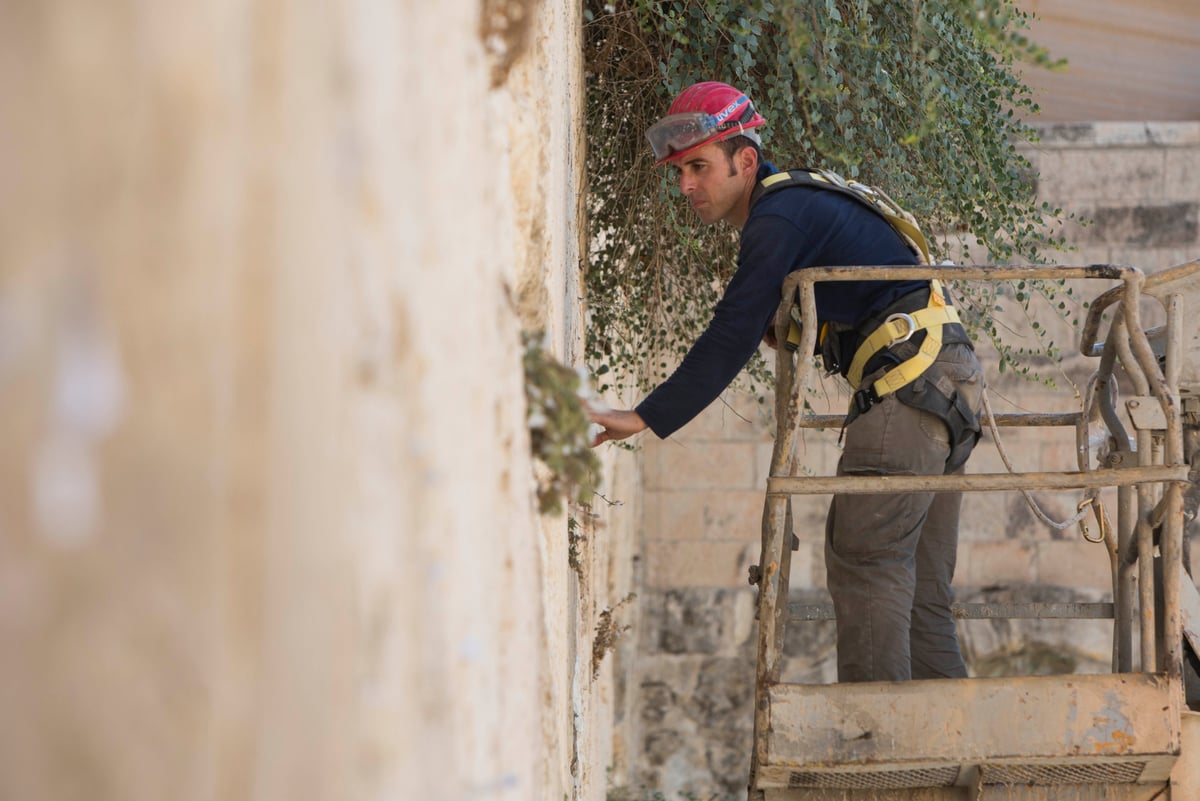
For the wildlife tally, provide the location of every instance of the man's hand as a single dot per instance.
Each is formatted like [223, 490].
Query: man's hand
[770, 339]
[617, 423]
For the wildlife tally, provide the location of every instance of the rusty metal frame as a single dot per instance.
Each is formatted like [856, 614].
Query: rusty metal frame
[1161, 646]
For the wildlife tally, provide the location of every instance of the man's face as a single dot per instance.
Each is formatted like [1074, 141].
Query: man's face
[709, 179]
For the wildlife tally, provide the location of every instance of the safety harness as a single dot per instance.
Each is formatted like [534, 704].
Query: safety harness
[899, 327]
[938, 319]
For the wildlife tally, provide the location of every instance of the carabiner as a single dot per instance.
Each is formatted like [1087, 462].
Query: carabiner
[907, 318]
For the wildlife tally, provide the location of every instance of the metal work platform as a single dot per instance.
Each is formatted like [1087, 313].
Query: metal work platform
[1110, 737]
[972, 732]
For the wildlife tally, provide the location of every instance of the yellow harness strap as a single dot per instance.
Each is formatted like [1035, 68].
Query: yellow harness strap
[899, 328]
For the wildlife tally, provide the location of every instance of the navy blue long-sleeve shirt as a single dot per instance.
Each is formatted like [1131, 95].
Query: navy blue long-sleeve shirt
[787, 229]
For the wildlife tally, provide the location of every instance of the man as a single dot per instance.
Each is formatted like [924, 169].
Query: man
[889, 558]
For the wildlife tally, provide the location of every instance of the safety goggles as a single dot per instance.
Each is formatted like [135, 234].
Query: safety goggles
[676, 133]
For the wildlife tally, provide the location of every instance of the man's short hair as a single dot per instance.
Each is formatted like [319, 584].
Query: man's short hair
[733, 144]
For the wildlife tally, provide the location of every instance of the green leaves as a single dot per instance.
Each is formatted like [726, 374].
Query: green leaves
[558, 426]
[919, 99]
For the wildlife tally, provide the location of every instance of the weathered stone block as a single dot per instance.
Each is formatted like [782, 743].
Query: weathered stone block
[989, 563]
[1070, 134]
[988, 516]
[663, 673]
[1164, 225]
[817, 452]
[801, 575]
[696, 621]
[1075, 176]
[745, 603]
[727, 755]
[962, 565]
[724, 692]
[1182, 174]
[1074, 563]
[672, 464]
[1020, 445]
[699, 723]
[657, 698]
[808, 517]
[698, 564]
[1169, 135]
[733, 416]
[661, 745]
[704, 515]
[1058, 454]
[819, 581]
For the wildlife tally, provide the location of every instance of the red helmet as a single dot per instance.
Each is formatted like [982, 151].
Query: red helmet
[704, 112]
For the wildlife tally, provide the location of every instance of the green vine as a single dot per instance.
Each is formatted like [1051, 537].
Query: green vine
[558, 428]
[919, 98]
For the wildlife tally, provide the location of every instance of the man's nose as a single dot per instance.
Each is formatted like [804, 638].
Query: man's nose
[686, 184]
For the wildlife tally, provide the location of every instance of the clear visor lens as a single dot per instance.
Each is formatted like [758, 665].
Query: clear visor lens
[678, 132]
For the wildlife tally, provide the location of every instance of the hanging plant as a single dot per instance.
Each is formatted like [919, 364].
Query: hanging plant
[920, 99]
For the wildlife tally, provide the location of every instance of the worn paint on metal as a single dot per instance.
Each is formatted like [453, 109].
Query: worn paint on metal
[1011, 722]
[1110, 732]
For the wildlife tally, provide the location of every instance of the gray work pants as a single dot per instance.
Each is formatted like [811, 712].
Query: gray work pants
[890, 558]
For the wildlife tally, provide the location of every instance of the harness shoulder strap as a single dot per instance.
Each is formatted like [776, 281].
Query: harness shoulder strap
[903, 223]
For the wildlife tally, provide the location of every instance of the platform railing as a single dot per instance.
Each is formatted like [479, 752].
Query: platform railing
[1149, 493]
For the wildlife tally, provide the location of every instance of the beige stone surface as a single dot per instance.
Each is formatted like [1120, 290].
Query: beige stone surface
[699, 465]
[733, 416]
[1182, 175]
[688, 515]
[1087, 175]
[1073, 562]
[698, 564]
[817, 453]
[995, 562]
[1128, 61]
[808, 566]
[268, 525]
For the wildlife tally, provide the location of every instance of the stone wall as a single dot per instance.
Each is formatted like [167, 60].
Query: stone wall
[267, 522]
[1125, 60]
[1139, 184]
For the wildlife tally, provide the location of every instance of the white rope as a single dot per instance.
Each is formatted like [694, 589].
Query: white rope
[1093, 496]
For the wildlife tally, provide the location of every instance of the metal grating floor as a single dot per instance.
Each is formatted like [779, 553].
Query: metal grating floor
[1095, 773]
[874, 780]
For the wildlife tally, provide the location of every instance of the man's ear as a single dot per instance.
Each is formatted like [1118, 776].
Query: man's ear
[747, 159]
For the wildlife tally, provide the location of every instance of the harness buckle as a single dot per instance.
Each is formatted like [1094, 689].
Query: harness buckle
[864, 399]
[912, 327]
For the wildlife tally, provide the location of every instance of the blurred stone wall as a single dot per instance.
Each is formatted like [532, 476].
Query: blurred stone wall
[1139, 184]
[1125, 60]
[267, 514]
